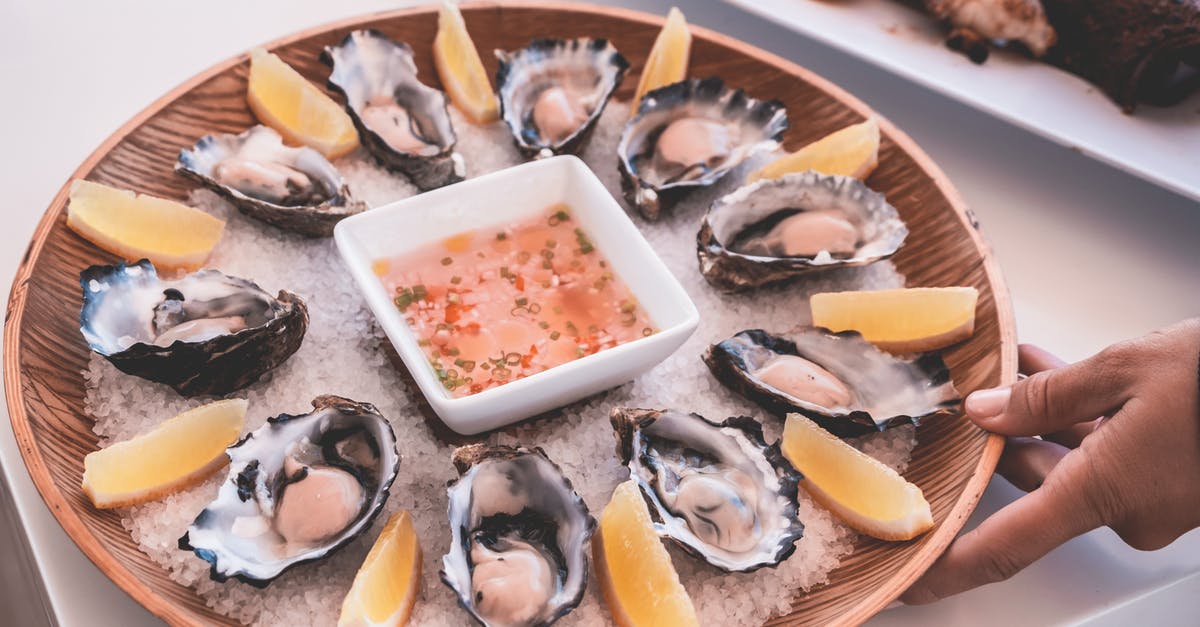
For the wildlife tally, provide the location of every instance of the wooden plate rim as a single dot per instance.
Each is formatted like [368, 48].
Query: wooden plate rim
[157, 605]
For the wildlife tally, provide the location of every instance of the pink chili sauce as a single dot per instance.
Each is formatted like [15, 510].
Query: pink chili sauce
[491, 306]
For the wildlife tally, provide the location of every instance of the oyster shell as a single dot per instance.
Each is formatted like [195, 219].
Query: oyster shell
[553, 91]
[519, 534]
[688, 135]
[715, 489]
[292, 188]
[841, 381]
[402, 122]
[781, 228]
[204, 333]
[299, 488]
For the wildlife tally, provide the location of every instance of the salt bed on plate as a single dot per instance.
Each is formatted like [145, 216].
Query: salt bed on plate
[344, 354]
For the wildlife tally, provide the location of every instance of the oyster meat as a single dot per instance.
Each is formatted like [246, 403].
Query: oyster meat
[688, 135]
[778, 229]
[299, 488]
[519, 536]
[204, 333]
[402, 122]
[841, 381]
[553, 91]
[716, 489]
[292, 188]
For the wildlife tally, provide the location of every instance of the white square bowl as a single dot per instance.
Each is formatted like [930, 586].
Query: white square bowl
[497, 200]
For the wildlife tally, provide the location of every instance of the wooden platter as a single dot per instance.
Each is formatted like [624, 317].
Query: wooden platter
[45, 353]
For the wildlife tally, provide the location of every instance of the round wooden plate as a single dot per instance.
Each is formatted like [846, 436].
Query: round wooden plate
[44, 352]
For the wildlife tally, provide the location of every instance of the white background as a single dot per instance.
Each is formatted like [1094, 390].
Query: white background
[1092, 255]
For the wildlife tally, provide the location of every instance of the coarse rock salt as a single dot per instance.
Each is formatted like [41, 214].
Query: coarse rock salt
[344, 354]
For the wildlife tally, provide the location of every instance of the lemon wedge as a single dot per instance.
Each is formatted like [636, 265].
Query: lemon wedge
[177, 454]
[852, 151]
[386, 586]
[302, 114]
[461, 69]
[911, 320]
[668, 60]
[855, 487]
[636, 575]
[170, 234]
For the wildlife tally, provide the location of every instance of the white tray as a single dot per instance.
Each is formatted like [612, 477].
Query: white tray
[1161, 145]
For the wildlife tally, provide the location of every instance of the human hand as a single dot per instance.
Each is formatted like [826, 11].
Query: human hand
[1135, 469]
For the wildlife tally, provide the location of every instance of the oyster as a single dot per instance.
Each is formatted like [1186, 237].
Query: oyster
[777, 229]
[204, 333]
[519, 534]
[553, 91]
[293, 188]
[299, 488]
[715, 489]
[841, 381]
[688, 135]
[402, 122]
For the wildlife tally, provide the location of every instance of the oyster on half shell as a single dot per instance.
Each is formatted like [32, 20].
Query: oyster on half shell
[553, 91]
[402, 122]
[299, 488]
[716, 489]
[292, 188]
[841, 381]
[204, 333]
[519, 537]
[688, 135]
[777, 229]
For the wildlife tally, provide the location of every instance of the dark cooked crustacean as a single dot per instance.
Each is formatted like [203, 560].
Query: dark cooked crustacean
[299, 488]
[716, 489]
[553, 91]
[519, 535]
[1135, 50]
[402, 122]
[292, 188]
[974, 24]
[777, 229]
[839, 380]
[688, 135]
[203, 333]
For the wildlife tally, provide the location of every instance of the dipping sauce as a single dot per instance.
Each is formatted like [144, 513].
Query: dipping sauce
[494, 305]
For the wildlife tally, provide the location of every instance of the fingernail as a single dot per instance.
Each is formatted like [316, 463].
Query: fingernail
[987, 403]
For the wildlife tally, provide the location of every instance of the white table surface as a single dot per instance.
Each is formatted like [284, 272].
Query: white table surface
[1091, 255]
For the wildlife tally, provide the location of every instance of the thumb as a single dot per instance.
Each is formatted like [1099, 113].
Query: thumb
[1052, 400]
[1014, 537]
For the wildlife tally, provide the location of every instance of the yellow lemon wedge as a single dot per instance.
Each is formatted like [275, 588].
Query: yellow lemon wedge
[668, 60]
[461, 69]
[177, 454]
[852, 151]
[302, 114]
[389, 580]
[170, 234]
[911, 320]
[636, 575]
[857, 488]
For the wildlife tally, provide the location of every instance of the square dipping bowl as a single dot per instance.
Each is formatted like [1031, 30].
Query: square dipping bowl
[497, 200]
